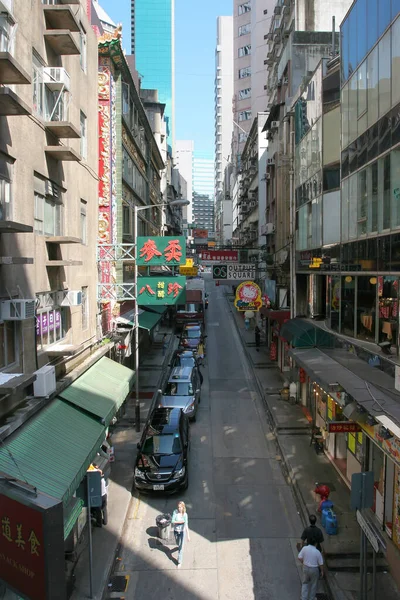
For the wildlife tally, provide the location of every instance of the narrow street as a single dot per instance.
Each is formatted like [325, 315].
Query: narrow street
[242, 516]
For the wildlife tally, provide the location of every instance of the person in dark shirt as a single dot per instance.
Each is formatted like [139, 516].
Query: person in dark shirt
[312, 532]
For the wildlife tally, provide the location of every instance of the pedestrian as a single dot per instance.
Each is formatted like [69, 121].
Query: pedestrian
[312, 531]
[247, 323]
[100, 513]
[180, 524]
[312, 562]
[257, 335]
[200, 351]
[164, 344]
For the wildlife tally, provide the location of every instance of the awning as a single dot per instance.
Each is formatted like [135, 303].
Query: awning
[53, 450]
[148, 320]
[303, 334]
[160, 310]
[322, 366]
[275, 315]
[101, 389]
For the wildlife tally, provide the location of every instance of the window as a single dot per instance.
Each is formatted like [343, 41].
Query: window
[37, 86]
[245, 72]
[5, 187]
[245, 115]
[85, 307]
[244, 29]
[244, 94]
[242, 137]
[245, 50]
[362, 202]
[83, 222]
[396, 62]
[244, 8]
[83, 122]
[384, 74]
[372, 80]
[127, 225]
[8, 344]
[83, 42]
[51, 321]
[47, 208]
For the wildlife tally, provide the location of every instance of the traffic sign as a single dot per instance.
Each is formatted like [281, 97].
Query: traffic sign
[369, 532]
[219, 272]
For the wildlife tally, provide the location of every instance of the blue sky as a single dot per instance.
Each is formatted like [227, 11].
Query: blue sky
[195, 36]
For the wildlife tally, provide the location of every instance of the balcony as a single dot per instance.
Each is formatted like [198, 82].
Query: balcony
[11, 104]
[64, 263]
[62, 42]
[57, 117]
[14, 227]
[60, 16]
[11, 72]
[62, 153]
[56, 79]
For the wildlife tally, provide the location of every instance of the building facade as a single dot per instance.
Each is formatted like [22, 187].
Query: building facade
[152, 34]
[203, 212]
[184, 163]
[223, 124]
[241, 106]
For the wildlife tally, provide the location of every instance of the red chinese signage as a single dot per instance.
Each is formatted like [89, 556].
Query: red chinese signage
[200, 233]
[343, 427]
[22, 548]
[161, 250]
[222, 255]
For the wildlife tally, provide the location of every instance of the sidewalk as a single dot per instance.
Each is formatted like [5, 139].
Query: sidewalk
[125, 438]
[304, 468]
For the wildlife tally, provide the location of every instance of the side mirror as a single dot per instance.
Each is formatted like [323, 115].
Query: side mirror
[159, 391]
[138, 445]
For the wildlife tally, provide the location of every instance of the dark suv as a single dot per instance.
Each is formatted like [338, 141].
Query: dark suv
[161, 463]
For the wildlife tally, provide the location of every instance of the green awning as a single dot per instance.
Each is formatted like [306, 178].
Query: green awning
[53, 450]
[303, 334]
[72, 517]
[148, 320]
[157, 309]
[102, 389]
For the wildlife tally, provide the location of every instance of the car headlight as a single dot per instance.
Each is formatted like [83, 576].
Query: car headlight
[139, 474]
[180, 472]
[190, 407]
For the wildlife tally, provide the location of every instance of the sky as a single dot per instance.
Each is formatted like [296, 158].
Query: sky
[195, 39]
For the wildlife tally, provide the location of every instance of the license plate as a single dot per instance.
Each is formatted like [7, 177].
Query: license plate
[158, 487]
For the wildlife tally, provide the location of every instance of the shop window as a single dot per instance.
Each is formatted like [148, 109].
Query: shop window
[388, 302]
[366, 307]
[348, 305]
[355, 445]
[51, 321]
[376, 465]
[8, 344]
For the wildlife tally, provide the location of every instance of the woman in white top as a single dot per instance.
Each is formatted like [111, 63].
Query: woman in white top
[180, 523]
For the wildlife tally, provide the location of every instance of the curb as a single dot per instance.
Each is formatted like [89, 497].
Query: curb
[298, 496]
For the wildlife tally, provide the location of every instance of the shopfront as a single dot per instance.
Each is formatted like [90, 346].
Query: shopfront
[274, 319]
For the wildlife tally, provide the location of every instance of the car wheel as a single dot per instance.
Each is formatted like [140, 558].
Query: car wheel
[194, 419]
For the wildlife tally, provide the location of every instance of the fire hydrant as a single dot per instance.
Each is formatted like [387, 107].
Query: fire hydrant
[323, 492]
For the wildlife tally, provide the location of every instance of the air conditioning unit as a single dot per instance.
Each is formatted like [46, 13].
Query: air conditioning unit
[69, 298]
[17, 310]
[56, 78]
[270, 228]
[45, 383]
[274, 124]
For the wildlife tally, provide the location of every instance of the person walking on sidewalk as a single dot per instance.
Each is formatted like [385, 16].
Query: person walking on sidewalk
[180, 523]
[312, 562]
[312, 531]
[164, 344]
[257, 335]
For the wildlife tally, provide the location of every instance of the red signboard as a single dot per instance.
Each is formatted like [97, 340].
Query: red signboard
[343, 427]
[22, 548]
[200, 233]
[220, 255]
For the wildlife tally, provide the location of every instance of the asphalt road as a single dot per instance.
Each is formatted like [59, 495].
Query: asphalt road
[243, 520]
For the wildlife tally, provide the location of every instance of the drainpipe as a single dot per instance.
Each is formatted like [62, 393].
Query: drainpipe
[292, 230]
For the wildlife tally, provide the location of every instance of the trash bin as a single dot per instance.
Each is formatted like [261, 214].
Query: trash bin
[163, 523]
[326, 507]
[331, 524]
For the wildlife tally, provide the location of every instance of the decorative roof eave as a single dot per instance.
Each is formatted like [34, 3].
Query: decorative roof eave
[109, 44]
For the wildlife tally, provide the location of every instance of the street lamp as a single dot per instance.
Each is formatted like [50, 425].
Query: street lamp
[135, 214]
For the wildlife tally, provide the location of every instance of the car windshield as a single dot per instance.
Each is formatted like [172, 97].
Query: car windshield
[162, 444]
[187, 361]
[179, 389]
[192, 334]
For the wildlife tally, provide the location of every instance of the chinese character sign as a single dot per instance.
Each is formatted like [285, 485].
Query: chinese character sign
[248, 296]
[222, 255]
[22, 548]
[200, 233]
[161, 290]
[48, 321]
[160, 250]
[343, 427]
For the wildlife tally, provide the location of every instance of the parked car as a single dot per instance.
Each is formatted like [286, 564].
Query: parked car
[186, 358]
[182, 391]
[162, 459]
[190, 336]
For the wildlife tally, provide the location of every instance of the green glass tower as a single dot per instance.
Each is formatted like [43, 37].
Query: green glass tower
[152, 34]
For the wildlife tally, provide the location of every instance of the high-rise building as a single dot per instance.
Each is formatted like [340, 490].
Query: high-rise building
[223, 116]
[203, 191]
[184, 163]
[203, 212]
[152, 37]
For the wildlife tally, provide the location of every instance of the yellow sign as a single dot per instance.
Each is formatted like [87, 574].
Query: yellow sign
[189, 271]
[316, 263]
[248, 296]
[188, 263]
[212, 244]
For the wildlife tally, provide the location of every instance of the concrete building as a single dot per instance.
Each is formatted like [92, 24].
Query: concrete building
[223, 122]
[184, 163]
[152, 34]
[203, 186]
[241, 107]
[203, 212]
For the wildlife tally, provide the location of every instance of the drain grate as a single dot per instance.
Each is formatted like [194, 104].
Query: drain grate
[118, 583]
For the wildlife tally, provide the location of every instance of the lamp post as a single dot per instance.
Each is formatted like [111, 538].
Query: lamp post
[135, 215]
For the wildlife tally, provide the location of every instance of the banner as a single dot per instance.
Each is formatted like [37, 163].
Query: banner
[248, 296]
[161, 250]
[161, 291]
[221, 255]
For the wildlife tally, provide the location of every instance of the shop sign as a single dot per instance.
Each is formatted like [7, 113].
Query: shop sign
[30, 556]
[200, 248]
[211, 244]
[161, 250]
[391, 446]
[200, 233]
[343, 427]
[189, 271]
[161, 290]
[221, 255]
[248, 296]
[48, 321]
